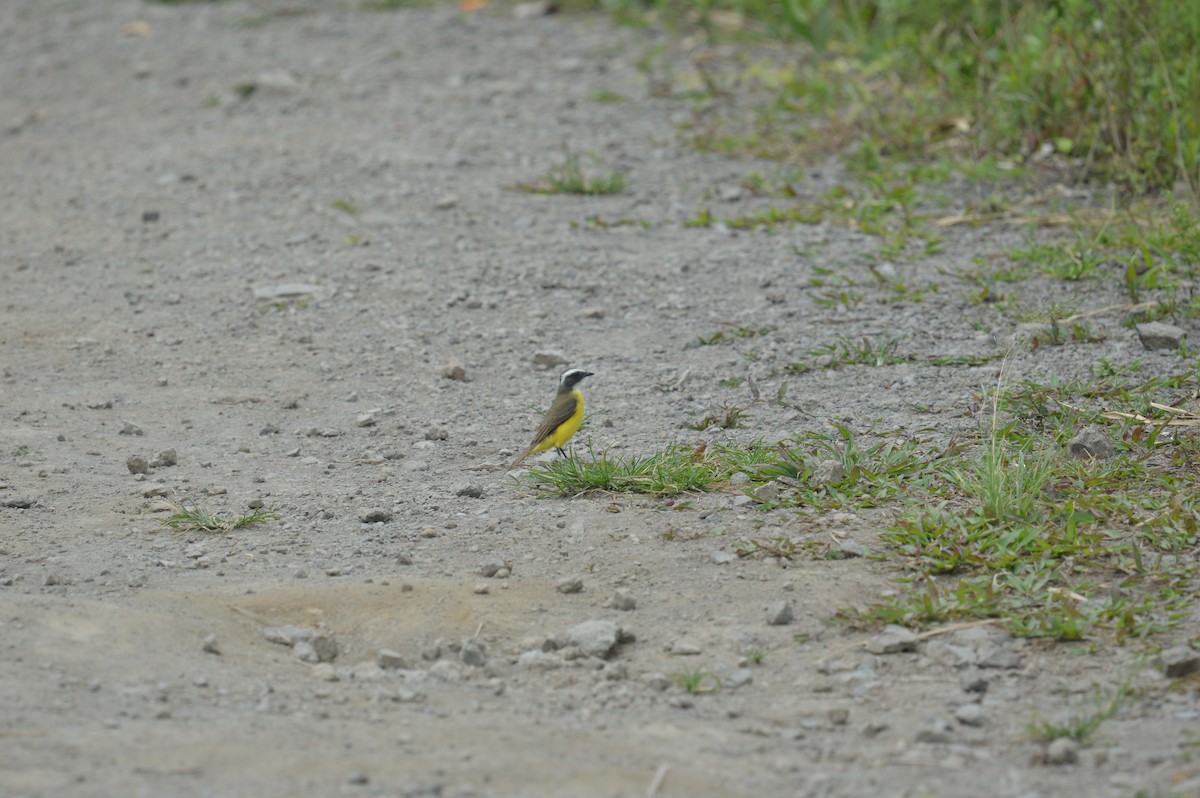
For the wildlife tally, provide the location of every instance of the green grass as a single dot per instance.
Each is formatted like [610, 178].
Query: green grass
[197, 518]
[570, 177]
[345, 207]
[696, 681]
[668, 473]
[1081, 723]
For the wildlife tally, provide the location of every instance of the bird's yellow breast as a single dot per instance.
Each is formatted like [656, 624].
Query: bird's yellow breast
[565, 430]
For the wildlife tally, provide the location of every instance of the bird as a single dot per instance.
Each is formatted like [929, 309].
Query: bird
[561, 420]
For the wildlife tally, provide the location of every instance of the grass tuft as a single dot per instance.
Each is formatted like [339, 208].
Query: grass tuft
[197, 518]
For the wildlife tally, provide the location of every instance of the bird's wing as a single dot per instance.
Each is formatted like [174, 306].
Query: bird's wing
[561, 410]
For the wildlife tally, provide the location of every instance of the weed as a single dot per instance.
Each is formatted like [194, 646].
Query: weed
[754, 656]
[696, 681]
[196, 517]
[1081, 723]
[570, 177]
[345, 207]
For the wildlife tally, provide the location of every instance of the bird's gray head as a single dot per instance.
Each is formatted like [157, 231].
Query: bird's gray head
[571, 377]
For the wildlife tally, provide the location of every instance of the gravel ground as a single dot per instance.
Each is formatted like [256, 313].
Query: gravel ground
[246, 242]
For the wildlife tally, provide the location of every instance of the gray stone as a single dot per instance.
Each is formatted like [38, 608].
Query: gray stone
[1091, 442]
[970, 715]
[994, 655]
[365, 420]
[973, 681]
[18, 502]
[473, 653]
[491, 568]
[367, 672]
[768, 493]
[935, 730]
[1063, 751]
[130, 428]
[827, 472]
[376, 515]
[210, 645]
[780, 613]
[1157, 335]
[454, 370]
[1178, 662]
[722, 557]
[739, 678]
[570, 584]
[549, 359]
[326, 648]
[437, 434]
[391, 660]
[287, 635]
[852, 548]
[304, 651]
[466, 487]
[595, 638]
[138, 465]
[166, 458]
[892, 640]
[623, 600]
[685, 648]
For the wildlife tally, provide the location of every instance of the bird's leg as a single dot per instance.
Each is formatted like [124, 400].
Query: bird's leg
[560, 451]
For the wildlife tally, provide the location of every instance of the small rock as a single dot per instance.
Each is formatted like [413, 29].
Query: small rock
[473, 653]
[780, 613]
[51, 579]
[367, 672]
[210, 645]
[656, 681]
[549, 359]
[623, 600]
[739, 678]
[571, 584]
[973, 681]
[852, 548]
[166, 458]
[469, 489]
[892, 640]
[491, 568]
[595, 638]
[1157, 335]
[1063, 751]
[156, 492]
[685, 648]
[935, 730]
[454, 370]
[768, 493]
[1091, 442]
[446, 202]
[592, 313]
[358, 778]
[18, 502]
[130, 428]
[391, 660]
[481, 589]
[1178, 662]
[416, 465]
[138, 465]
[994, 655]
[325, 672]
[278, 82]
[970, 715]
[326, 648]
[304, 651]
[437, 434]
[365, 420]
[722, 557]
[827, 472]
[376, 515]
[839, 716]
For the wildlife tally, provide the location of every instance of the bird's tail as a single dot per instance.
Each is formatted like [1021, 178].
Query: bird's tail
[521, 459]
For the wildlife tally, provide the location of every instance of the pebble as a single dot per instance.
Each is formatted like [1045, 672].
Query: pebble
[769, 492]
[739, 678]
[325, 672]
[287, 635]
[285, 290]
[935, 730]
[473, 653]
[437, 434]
[491, 568]
[1091, 442]
[138, 465]
[852, 548]
[391, 660]
[365, 420]
[1157, 335]
[595, 638]
[828, 472]
[722, 557]
[416, 465]
[210, 645]
[656, 681]
[973, 681]
[468, 488]
[892, 640]
[376, 515]
[19, 502]
[367, 672]
[454, 370]
[1063, 751]
[130, 428]
[994, 655]
[1178, 662]
[970, 715]
[623, 600]
[549, 359]
[838, 716]
[481, 589]
[780, 613]
[685, 648]
[571, 584]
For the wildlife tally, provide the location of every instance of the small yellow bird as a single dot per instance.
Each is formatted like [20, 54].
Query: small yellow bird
[562, 419]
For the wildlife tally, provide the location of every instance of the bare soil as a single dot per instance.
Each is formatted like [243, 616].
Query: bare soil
[255, 233]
